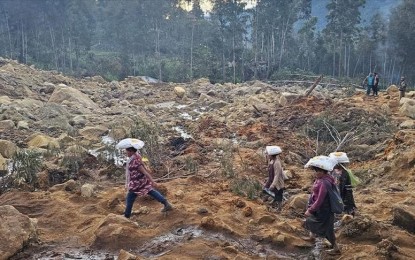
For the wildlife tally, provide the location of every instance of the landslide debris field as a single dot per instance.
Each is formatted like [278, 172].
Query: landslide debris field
[62, 183]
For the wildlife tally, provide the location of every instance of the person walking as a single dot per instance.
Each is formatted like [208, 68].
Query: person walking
[139, 181]
[343, 181]
[319, 216]
[375, 84]
[402, 88]
[275, 181]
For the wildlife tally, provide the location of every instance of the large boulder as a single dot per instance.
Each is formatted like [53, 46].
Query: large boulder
[93, 132]
[116, 232]
[406, 100]
[179, 91]
[299, 202]
[392, 90]
[43, 141]
[73, 96]
[7, 148]
[3, 164]
[16, 231]
[6, 125]
[407, 124]
[408, 109]
[404, 217]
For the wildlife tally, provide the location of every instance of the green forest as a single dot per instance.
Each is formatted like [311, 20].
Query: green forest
[177, 41]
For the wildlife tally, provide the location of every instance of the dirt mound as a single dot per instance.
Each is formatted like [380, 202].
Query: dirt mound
[206, 148]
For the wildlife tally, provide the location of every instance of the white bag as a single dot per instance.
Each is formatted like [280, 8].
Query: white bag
[322, 162]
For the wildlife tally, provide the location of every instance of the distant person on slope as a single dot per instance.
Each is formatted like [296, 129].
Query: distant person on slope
[376, 84]
[402, 88]
[138, 180]
[319, 216]
[370, 81]
[275, 181]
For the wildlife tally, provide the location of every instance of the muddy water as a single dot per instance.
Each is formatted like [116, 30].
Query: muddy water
[53, 252]
[162, 245]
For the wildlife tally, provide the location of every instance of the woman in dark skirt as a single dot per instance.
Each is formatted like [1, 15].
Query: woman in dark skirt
[320, 219]
[343, 182]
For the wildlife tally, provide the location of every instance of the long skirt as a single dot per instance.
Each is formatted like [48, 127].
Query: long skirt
[321, 223]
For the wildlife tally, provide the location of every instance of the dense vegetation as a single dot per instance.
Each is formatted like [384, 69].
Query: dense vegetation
[159, 38]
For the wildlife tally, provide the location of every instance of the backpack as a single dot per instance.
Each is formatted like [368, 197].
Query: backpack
[336, 202]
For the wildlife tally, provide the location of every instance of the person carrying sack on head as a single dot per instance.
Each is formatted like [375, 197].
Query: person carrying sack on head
[275, 181]
[138, 181]
[343, 181]
[320, 211]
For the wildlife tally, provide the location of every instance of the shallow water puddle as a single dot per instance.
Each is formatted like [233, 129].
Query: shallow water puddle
[164, 244]
[65, 254]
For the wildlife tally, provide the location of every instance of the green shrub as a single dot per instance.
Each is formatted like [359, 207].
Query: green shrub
[191, 165]
[73, 160]
[26, 164]
[149, 133]
[246, 187]
[226, 160]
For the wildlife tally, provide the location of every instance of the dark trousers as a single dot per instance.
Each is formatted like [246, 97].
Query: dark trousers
[368, 88]
[131, 196]
[375, 90]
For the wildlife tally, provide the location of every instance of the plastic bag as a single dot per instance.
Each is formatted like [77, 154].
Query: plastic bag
[353, 178]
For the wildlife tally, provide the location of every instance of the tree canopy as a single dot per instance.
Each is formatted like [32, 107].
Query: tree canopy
[229, 43]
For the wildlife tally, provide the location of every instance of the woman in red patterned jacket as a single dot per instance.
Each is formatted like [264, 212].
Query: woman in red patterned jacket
[139, 182]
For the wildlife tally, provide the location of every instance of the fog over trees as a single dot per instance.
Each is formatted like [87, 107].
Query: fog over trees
[177, 40]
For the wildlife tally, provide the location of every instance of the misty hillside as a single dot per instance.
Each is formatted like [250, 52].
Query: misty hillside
[371, 7]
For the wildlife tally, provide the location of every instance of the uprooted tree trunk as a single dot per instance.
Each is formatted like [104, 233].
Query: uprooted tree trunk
[314, 85]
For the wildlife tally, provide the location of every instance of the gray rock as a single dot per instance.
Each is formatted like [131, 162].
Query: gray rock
[404, 217]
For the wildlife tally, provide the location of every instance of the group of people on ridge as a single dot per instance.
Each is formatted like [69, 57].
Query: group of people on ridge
[372, 81]
[372, 84]
[328, 170]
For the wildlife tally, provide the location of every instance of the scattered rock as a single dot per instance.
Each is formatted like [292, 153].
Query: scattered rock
[386, 248]
[266, 219]
[207, 222]
[396, 187]
[22, 125]
[407, 124]
[278, 239]
[247, 211]
[404, 217]
[7, 148]
[6, 125]
[239, 203]
[368, 200]
[179, 194]
[16, 231]
[202, 211]
[179, 91]
[87, 190]
[143, 210]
